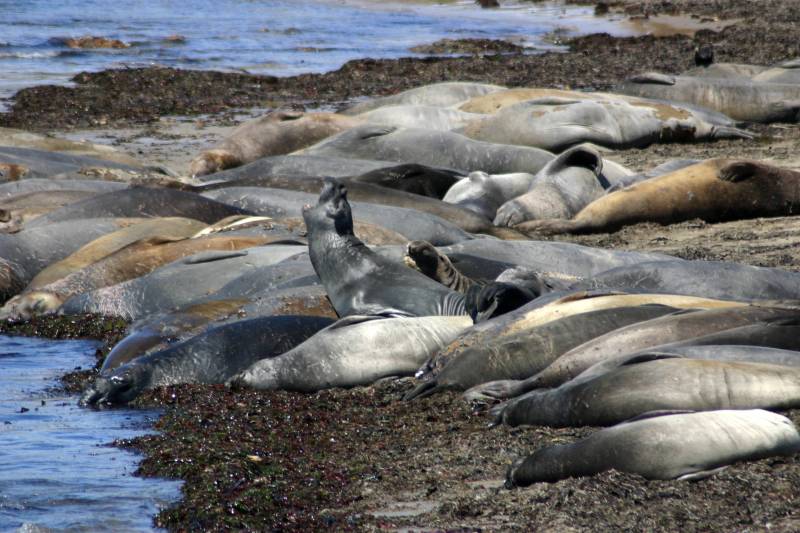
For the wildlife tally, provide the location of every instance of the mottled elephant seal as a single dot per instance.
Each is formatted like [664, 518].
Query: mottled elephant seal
[739, 98]
[276, 133]
[672, 446]
[557, 124]
[418, 116]
[344, 355]
[358, 280]
[715, 191]
[438, 94]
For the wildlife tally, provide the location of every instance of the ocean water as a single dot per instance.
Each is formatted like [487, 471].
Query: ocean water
[278, 37]
[57, 471]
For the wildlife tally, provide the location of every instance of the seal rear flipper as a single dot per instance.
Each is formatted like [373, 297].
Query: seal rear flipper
[728, 132]
[422, 390]
[655, 78]
[701, 474]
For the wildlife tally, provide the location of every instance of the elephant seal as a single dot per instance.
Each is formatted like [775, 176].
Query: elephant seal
[711, 279]
[500, 347]
[652, 385]
[371, 234]
[344, 355]
[26, 186]
[198, 359]
[740, 99]
[358, 280]
[142, 202]
[418, 116]
[438, 94]
[33, 163]
[483, 193]
[279, 203]
[557, 124]
[168, 227]
[645, 335]
[671, 446]
[18, 210]
[715, 191]
[413, 178]
[375, 194]
[561, 189]
[434, 148]
[132, 261]
[659, 170]
[276, 133]
[10, 137]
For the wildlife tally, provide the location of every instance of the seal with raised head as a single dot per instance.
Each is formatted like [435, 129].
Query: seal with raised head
[358, 280]
[671, 446]
[716, 190]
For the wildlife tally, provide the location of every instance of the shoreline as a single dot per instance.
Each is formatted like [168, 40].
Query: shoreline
[361, 459]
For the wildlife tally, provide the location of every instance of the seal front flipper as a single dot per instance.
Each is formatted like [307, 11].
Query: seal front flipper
[740, 170]
[701, 474]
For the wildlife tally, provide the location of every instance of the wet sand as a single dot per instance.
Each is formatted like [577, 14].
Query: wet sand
[361, 459]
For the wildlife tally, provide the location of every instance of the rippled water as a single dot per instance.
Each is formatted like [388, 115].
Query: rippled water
[56, 468]
[279, 37]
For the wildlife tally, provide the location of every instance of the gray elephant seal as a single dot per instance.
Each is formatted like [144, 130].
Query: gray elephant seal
[673, 446]
[715, 191]
[652, 385]
[358, 280]
[344, 354]
[276, 133]
[484, 193]
[433, 148]
[198, 359]
[556, 124]
[739, 98]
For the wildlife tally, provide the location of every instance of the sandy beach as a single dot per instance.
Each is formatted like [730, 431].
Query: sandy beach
[362, 459]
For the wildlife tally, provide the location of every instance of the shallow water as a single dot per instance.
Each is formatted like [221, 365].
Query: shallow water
[279, 37]
[56, 468]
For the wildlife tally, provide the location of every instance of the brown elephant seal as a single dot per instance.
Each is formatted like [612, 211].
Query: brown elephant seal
[716, 190]
[681, 446]
[276, 133]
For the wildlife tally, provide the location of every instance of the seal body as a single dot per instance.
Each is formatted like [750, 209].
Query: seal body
[438, 94]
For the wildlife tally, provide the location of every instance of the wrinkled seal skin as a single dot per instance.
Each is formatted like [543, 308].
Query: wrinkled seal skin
[212, 357]
[556, 124]
[438, 94]
[344, 354]
[434, 148]
[716, 190]
[358, 280]
[276, 133]
[671, 446]
[142, 202]
[660, 384]
[528, 352]
[739, 98]
[413, 178]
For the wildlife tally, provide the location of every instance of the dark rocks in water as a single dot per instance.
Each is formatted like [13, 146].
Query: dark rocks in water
[468, 46]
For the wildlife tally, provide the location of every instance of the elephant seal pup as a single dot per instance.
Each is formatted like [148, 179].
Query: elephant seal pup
[142, 202]
[434, 148]
[671, 446]
[438, 94]
[561, 189]
[212, 357]
[716, 190]
[645, 335]
[418, 116]
[344, 355]
[276, 133]
[556, 124]
[741, 99]
[638, 387]
[484, 193]
[167, 227]
[413, 178]
[358, 280]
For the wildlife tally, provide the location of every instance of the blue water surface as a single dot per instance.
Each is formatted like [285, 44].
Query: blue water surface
[56, 468]
[279, 37]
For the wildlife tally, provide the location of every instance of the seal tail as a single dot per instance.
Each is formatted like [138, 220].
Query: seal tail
[423, 390]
